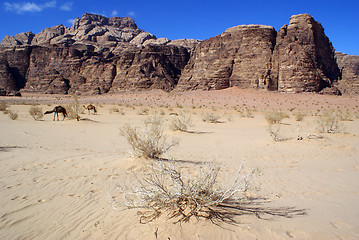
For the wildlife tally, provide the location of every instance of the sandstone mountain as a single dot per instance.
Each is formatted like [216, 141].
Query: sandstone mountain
[349, 73]
[299, 58]
[96, 55]
[100, 55]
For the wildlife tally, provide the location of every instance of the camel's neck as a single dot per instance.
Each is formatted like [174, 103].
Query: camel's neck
[48, 112]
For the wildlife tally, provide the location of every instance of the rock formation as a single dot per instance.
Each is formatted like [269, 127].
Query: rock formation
[299, 58]
[241, 56]
[96, 55]
[349, 73]
[303, 60]
[100, 55]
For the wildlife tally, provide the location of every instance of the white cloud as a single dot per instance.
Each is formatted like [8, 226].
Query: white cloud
[67, 6]
[114, 13]
[71, 21]
[50, 4]
[131, 14]
[28, 6]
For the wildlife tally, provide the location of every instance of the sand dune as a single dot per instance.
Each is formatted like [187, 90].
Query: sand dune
[56, 176]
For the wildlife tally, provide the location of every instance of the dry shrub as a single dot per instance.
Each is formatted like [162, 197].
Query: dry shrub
[328, 122]
[274, 132]
[117, 110]
[12, 115]
[73, 109]
[143, 111]
[114, 110]
[246, 112]
[345, 116]
[167, 189]
[299, 116]
[3, 107]
[211, 117]
[154, 120]
[162, 112]
[181, 122]
[274, 124]
[150, 142]
[275, 117]
[36, 112]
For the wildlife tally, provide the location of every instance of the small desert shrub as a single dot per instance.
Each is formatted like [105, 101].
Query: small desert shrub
[274, 124]
[3, 107]
[179, 105]
[181, 122]
[275, 117]
[154, 120]
[299, 116]
[36, 112]
[150, 142]
[345, 116]
[168, 189]
[114, 110]
[162, 113]
[117, 110]
[274, 132]
[328, 122]
[246, 112]
[73, 109]
[13, 115]
[143, 111]
[210, 117]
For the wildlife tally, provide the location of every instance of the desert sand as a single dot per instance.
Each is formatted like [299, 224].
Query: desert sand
[58, 178]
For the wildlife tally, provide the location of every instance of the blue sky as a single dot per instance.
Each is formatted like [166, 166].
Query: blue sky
[187, 18]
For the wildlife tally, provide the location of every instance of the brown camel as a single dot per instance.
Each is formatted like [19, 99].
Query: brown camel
[91, 107]
[56, 111]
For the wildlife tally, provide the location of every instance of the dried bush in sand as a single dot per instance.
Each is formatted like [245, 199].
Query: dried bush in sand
[167, 189]
[150, 141]
[36, 112]
[143, 111]
[274, 132]
[12, 115]
[3, 107]
[73, 109]
[210, 117]
[275, 117]
[181, 122]
[299, 116]
[345, 116]
[328, 122]
[274, 124]
[117, 110]
[246, 113]
[114, 110]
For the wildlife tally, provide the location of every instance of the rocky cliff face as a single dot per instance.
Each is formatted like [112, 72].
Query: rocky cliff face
[303, 60]
[96, 55]
[298, 58]
[241, 56]
[99, 55]
[349, 73]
